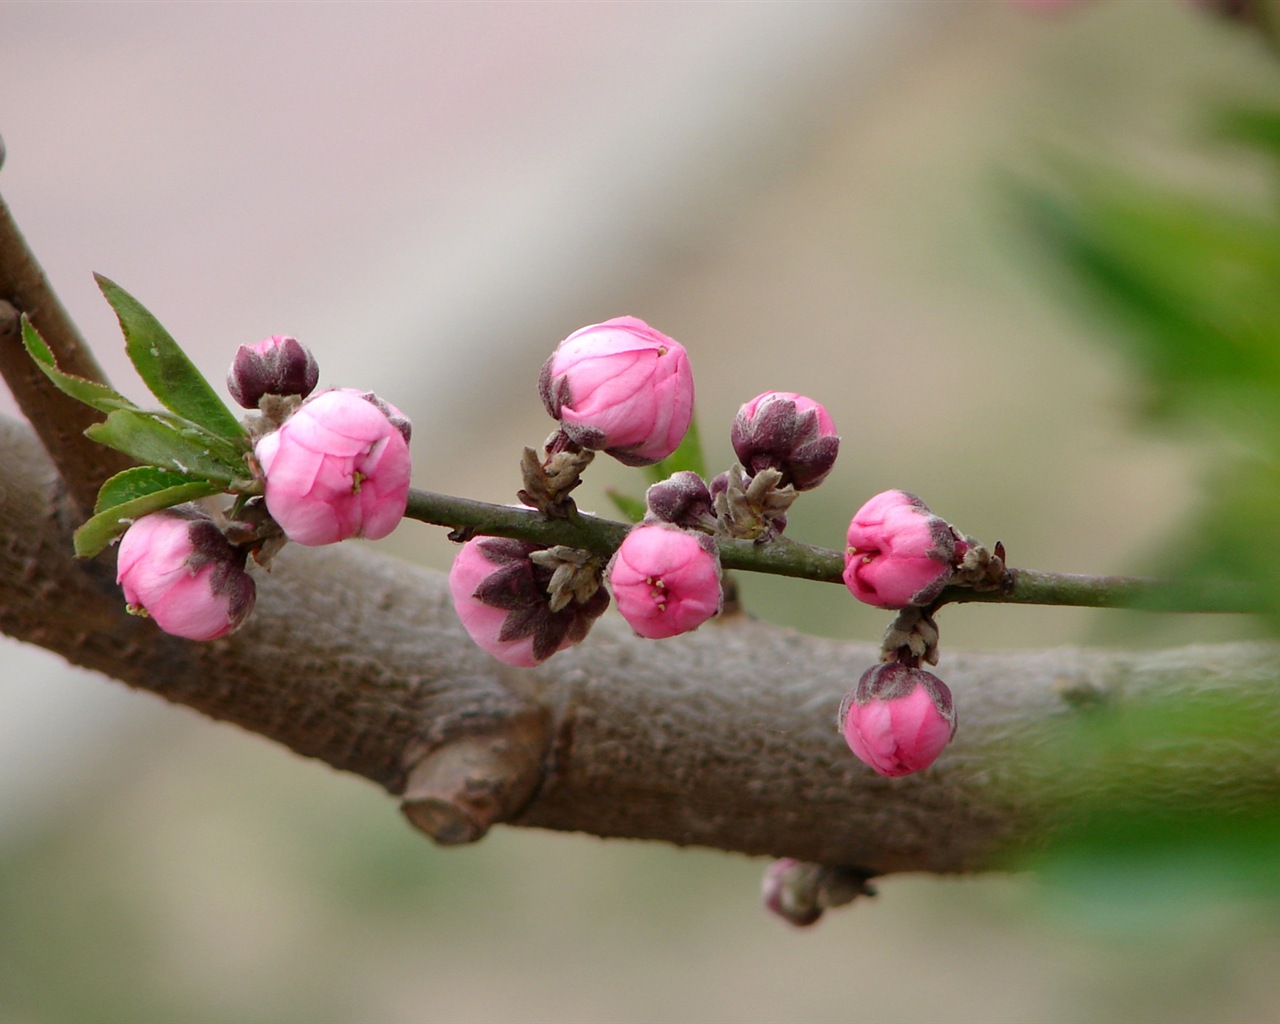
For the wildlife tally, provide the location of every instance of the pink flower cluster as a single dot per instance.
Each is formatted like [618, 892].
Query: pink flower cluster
[335, 465]
[626, 389]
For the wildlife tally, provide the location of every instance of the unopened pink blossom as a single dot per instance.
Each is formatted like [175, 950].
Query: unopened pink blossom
[898, 719]
[620, 387]
[665, 580]
[788, 432]
[336, 468]
[502, 600]
[898, 553]
[278, 365]
[178, 568]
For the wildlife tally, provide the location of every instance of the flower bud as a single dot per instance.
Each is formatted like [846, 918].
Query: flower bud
[666, 580]
[898, 719]
[620, 387]
[787, 432]
[178, 568]
[682, 499]
[899, 553]
[503, 598]
[336, 468]
[278, 365]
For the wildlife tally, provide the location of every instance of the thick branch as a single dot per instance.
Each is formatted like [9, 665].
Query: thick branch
[723, 738]
[59, 420]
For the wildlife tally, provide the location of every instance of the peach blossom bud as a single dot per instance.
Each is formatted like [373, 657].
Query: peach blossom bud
[336, 468]
[787, 432]
[620, 387]
[277, 365]
[682, 499]
[502, 597]
[898, 719]
[178, 568]
[666, 580]
[899, 553]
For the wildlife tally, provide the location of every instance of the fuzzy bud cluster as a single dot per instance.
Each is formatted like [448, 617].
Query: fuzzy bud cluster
[512, 605]
[787, 432]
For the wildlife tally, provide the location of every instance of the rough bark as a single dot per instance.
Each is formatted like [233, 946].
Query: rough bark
[724, 738]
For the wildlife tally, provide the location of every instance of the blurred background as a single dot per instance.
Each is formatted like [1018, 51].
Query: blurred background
[811, 197]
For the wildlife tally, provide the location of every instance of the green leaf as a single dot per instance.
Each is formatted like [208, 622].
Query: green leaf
[630, 507]
[1257, 127]
[687, 457]
[107, 525]
[153, 441]
[139, 482]
[91, 393]
[1193, 282]
[165, 368]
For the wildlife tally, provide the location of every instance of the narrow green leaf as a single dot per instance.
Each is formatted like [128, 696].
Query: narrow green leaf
[165, 368]
[627, 505]
[91, 393]
[138, 482]
[687, 457]
[106, 526]
[154, 442]
[1193, 282]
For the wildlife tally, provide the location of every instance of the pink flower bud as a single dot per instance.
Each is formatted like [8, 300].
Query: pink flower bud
[503, 600]
[278, 365]
[620, 387]
[787, 432]
[666, 580]
[176, 567]
[336, 468]
[898, 719]
[899, 553]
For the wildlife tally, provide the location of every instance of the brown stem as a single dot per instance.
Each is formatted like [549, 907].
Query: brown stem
[59, 420]
[722, 738]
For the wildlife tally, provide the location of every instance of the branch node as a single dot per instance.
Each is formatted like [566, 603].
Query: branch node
[459, 789]
[799, 892]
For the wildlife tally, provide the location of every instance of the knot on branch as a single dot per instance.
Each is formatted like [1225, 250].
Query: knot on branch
[458, 789]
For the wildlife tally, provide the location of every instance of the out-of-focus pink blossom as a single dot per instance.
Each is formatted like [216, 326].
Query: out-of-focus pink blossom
[336, 468]
[178, 568]
[898, 719]
[278, 365]
[899, 553]
[502, 598]
[621, 387]
[665, 580]
[787, 432]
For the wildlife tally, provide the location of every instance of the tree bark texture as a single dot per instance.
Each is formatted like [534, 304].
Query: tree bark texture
[723, 738]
